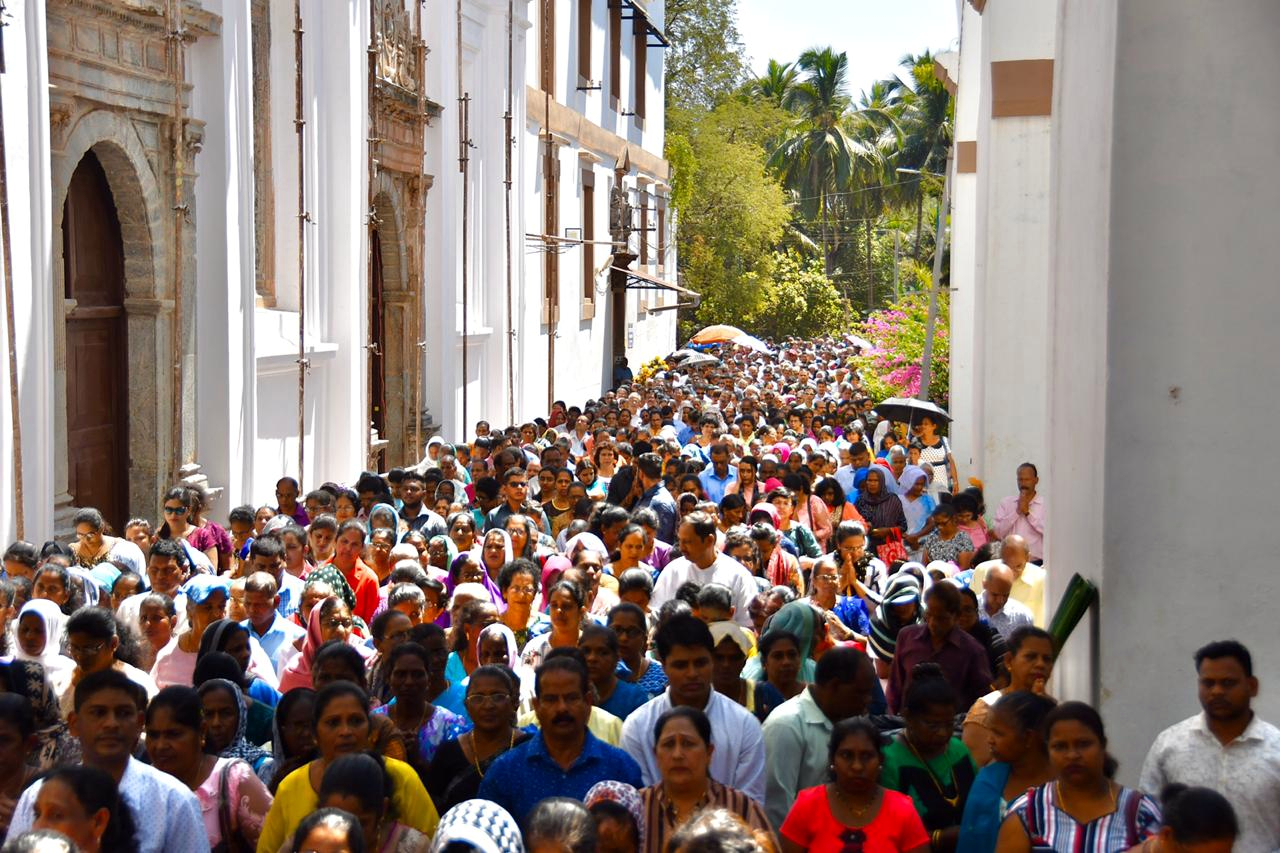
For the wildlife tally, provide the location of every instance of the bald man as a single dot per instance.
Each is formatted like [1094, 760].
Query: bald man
[998, 609]
[1028, 579]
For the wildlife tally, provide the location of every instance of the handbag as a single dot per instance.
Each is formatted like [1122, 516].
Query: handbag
[231, 841]
[892, 549]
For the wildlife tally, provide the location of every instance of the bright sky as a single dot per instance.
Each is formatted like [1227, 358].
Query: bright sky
[874, 33]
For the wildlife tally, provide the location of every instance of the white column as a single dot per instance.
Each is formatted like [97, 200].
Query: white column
[966, 431]
[1013, 164]
[25, 89]
[226, 377]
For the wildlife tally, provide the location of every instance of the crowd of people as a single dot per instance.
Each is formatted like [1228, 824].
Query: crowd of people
[728, 608]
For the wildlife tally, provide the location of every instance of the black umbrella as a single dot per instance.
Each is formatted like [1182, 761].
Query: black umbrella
[906, 410]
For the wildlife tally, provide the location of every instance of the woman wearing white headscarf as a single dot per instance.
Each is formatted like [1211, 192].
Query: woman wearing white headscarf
[917, 504]
[38, 634]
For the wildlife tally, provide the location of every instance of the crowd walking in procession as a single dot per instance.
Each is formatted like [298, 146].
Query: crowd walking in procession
[718, 608]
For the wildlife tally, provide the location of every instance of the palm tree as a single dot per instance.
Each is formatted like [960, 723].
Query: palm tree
[927, 124]
[777, 83]
[818, 156]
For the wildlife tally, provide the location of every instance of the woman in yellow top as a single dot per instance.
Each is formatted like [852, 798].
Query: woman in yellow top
[342, 728]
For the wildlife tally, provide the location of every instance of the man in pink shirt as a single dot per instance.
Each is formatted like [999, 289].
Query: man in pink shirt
[1023, 514]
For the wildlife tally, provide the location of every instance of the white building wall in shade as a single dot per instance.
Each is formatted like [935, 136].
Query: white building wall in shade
[581, 365]
[1158, 318]
[1013, 166]
[24, 88]
[966, 269]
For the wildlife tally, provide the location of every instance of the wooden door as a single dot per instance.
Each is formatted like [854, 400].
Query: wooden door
[97, 393]
[377, 341]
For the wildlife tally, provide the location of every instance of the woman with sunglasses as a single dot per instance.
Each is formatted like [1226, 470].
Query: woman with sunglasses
[177, 509]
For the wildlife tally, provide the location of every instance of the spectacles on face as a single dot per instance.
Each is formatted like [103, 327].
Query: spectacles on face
[94, 650]
[478, 700]
[174, 510]
[337, 623]
[521, 590]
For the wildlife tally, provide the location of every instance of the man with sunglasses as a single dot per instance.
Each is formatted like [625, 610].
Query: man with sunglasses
[515, 501]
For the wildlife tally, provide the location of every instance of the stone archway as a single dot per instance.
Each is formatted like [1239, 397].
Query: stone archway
[391, 299]
[136, 194]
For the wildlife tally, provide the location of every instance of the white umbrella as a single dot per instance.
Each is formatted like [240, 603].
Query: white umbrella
[751, 342]
[859, 342]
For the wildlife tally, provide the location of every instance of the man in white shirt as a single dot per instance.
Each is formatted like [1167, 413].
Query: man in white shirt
[999, 610]
[1028, 578]
[1226, 748]
[108, 719]
[702, 564]
[685, 647]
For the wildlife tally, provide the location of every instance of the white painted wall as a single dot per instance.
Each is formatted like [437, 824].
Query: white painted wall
[583, 347]
[1191, 336]
[1000, 335]
[966, 428]
[224, 204]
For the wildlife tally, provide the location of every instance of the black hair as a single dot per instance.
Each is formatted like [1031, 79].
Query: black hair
[943, 510]
[407, 648]
[519, 565]
[1023, 633]
[1028, 710]
[218, 665]
[244, 514]
[379, 625]
[425, 631]
[715, 595]
[501, 673]
[695, 716]
[929, 687]
[593, 630]
[107, 679]
[683, 630]
[854, 726]
[362, 775]
[183, 704]
[628, 609]
[565, 659]
[337, 690]
[340, 651]
[334, 819]
[1197, 815]
[561, 822]
[772, 638]
[671, 609]
[570, 587]
[688, 593]
[94, 622]
[270, 547]
[947, 593]
[1226, 649]
[95, 789]
[635, 580]
[22, 552]
[842, 664]
[1086, 716]
[1034, 471]
[15, 709]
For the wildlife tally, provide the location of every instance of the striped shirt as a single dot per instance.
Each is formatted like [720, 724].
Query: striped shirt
[1136, 818]
[660, 813]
